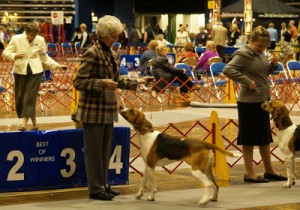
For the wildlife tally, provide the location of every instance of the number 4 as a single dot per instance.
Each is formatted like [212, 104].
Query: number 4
[115, 160]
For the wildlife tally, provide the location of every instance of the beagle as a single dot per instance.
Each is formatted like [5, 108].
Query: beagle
[287, 137]
[159, 149]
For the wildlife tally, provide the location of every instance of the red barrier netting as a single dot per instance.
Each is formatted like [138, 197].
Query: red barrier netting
[56, 92]
[200, 130]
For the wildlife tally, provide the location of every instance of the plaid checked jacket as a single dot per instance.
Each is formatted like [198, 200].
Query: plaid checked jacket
[97, 104]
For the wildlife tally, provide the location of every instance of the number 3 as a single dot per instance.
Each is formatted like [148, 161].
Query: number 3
[69, 162]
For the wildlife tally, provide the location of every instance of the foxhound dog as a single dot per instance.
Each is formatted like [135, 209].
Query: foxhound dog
[287, 137]
[159, 149]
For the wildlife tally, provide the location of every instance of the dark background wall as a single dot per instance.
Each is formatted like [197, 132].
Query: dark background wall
[120, 8]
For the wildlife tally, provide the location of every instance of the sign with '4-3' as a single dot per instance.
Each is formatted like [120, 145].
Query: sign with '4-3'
[55, 159]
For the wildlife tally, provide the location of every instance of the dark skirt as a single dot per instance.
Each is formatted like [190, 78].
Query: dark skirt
[254, 125]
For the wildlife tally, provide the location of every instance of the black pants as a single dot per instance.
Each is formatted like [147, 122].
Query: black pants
[221, 51]
[26, 92]
[97, 147]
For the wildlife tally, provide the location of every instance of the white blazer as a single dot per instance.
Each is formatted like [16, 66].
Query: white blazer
[35, 53]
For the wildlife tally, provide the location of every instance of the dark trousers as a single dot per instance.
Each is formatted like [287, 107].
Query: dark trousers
[26, 92]
[97, 147]
[221, 51]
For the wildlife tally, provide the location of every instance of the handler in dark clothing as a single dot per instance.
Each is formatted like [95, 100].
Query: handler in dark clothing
[97, 80]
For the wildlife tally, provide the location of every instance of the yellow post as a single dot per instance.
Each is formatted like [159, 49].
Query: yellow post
[220, 168]
[75, 95]
[131, 51]
[230, 98]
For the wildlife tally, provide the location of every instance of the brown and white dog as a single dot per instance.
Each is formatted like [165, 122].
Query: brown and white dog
[287, 136]
[160, 149]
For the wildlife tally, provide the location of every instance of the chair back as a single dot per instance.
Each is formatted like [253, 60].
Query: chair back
[216, 68]
[280, 68]
[191, 62]
[199, 50]
[188, 69]
[52, 49]
[214, 60]
[78, 50]
[293, 67]
[66, 48]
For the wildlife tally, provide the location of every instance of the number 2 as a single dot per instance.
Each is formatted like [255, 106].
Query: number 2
[13, 175]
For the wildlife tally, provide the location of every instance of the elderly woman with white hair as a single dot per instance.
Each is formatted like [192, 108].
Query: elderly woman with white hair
[97, 79]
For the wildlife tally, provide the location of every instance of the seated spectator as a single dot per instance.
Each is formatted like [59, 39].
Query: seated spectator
[77, 37]
[233, 35]
[285, 44]
[146, 56]
[85, 41]
[211, 51]
[188, 52]
[161, 68]
[201, 37]
[161, 40]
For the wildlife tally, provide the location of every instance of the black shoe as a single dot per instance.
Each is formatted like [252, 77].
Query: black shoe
[102, 196]
[259, 179]
[111, 191]
[22, 129]
[274, 177]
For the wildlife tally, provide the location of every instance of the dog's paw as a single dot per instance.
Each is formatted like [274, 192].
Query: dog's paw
[150, 198]
[138, 195]
[203, 201]
[286, 185]
[214, 198]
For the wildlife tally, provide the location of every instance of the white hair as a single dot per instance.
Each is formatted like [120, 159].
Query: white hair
[108, 25]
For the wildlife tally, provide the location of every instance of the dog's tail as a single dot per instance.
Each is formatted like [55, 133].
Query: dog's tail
[216, 148]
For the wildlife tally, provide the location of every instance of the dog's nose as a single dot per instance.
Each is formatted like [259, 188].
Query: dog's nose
[121, 108]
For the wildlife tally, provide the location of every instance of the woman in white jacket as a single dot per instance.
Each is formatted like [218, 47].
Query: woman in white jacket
[29, 53]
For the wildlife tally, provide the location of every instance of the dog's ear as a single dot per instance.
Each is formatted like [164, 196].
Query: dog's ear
[139, 120]
[284, 110]
[279, 111]
[276, 113]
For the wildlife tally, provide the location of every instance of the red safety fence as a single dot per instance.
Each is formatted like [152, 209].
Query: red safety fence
[201, 130]
[56, 89]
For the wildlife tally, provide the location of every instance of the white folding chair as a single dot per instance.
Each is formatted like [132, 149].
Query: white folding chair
[277, 79]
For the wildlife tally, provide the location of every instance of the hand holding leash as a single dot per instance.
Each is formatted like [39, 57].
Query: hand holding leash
[110, 84]
[145, 80]
[62, 67]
